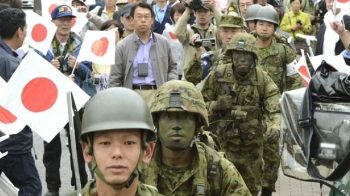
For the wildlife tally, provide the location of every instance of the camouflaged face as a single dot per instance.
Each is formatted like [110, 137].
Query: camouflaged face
[243, 42]
[191, 99]
[231, 21]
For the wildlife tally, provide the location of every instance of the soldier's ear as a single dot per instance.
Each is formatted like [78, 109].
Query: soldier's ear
[87, 152]
[148, 152]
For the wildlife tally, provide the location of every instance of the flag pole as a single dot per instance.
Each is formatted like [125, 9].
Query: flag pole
[73, 144]
[75, 64]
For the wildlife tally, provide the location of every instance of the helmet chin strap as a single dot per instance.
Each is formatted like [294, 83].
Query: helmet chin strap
[97, 171]
[126, 184]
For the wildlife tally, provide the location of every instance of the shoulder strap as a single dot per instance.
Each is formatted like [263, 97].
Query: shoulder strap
[213, 160]
[260, 79]
[282, 51]
[219, 71]
[99, 13]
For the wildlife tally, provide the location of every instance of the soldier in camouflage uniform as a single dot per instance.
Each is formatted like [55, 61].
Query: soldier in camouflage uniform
[277, 59]
[199, 67]
[182, 165]
[117, 138]
[240, 98]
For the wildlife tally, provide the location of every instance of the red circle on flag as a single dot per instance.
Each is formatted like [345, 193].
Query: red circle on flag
[39, 94]
[172, 36]
[6, 116]
[74, 20]
[39, 32]
[343, 1]
[52, 7]
[100, 46]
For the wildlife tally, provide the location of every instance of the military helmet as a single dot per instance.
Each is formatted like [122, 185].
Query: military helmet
[251, 12]
[179, 96]
[268, 14]
[231, 21]
[117, 108]
[243, 42]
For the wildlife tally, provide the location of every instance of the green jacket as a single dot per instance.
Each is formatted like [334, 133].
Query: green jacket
[194, 179]
[274, 61]
[142, 190]
[254, 100]
[194, 72]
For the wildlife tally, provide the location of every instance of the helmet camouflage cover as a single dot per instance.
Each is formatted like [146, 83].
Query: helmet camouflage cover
[231, 21]
[243, 42]
[179, 96]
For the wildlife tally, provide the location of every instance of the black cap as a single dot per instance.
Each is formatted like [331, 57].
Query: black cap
[125, 12]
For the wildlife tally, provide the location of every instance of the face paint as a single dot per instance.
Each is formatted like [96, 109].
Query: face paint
[176, 129]
[242, 62]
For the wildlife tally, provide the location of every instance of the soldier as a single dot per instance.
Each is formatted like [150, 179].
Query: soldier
[239, 98]
[182, 165]
[277, 59]
[199, 67]
[116, 142]
[250, 16]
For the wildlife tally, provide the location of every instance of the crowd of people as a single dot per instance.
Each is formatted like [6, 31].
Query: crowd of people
[191, 104]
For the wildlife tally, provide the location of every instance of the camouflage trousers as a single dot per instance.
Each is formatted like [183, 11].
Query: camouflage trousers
[272, 162]
[249, 163]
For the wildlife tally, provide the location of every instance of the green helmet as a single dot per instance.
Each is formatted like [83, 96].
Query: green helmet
[243, 42]
[113, 109]
[251, 12]
[180, 96]
[231, 21]
[268, 14]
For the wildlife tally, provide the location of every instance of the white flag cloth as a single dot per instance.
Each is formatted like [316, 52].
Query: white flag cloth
[302, 69]
[37, 95]
[40, 32]
[48, 5]
[335, 61]
[79, 22]
[98, 47]
[9, 123]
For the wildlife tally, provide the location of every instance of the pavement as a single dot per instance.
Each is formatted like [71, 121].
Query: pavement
[285, 186]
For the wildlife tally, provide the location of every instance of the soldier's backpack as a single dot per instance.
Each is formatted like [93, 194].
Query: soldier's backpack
[324, 121]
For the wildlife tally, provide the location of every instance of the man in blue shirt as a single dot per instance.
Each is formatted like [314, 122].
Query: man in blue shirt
[162, 16]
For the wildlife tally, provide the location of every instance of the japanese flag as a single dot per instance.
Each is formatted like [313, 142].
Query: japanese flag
[335, 61]
[342, 4]
[302, 69]
[37, 95]
[47, 6]
[98, 47]
[79, 22]
[40, 32]
[9, 123]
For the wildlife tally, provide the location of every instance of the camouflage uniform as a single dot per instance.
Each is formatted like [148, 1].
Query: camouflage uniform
[208, 172]
[187, 180]
[198, 68]
[142, 189]
[240, 129]
[277, 60]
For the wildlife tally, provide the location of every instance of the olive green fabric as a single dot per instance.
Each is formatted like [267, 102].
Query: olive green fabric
[268, 14]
